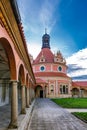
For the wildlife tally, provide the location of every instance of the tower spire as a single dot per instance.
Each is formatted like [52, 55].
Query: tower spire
[45, 30]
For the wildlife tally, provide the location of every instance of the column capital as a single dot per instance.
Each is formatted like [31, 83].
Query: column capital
[24, 85]
[15, 81]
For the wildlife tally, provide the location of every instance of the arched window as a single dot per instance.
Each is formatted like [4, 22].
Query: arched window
[63, 89]
[52, 88]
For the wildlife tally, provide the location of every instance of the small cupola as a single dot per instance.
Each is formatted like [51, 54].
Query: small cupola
[46, 40]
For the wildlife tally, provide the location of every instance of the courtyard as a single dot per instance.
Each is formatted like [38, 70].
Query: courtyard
[47, 115]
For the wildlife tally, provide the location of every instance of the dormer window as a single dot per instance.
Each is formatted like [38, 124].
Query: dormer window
[57, 59]
[42, 60]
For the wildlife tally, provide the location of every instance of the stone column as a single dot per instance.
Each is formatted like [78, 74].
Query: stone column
[56, 88]
[14, 105]
[30, 94]
[80, 93]
[27, 103]
[23, 100]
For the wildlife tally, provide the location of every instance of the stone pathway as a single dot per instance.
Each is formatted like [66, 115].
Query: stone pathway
[47, 115]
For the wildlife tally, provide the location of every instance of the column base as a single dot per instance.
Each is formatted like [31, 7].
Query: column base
[23, 111]
[13, 125]
[27, 106]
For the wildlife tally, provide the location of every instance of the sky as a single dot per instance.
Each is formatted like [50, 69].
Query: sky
[66, 23]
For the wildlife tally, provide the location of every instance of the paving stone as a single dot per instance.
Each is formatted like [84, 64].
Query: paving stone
[47, 115]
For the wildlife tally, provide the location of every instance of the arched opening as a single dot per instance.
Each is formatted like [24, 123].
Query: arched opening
[39, 92]
[21, 74]
[7, 73]
[75, 92]
[21, 79]
[84, 92]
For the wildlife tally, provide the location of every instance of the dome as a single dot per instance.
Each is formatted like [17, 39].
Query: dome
[46, 36]
[47, 54]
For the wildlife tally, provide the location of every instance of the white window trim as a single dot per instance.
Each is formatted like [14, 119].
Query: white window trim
[44, 68]
[61, 69]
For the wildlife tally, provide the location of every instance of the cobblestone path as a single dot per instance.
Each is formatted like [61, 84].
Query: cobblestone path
[47, 115]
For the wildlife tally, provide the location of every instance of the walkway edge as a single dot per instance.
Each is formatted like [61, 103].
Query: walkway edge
[23, 120]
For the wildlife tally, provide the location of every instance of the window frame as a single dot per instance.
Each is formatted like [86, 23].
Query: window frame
[64, 89]
[60, 67]
[43, 69]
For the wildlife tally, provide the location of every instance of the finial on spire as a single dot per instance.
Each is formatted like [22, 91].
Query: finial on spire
[45, 30]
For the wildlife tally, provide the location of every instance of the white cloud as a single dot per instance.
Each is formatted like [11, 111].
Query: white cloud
[78, 60]
[47, 14]
[34, 49]
[38, 16]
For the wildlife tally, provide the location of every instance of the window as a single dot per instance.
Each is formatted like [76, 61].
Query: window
[42, 68]
[63, 89]
[59, 68]
[42, 59]
[52, 89]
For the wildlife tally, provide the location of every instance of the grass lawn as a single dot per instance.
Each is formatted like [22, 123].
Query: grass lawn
[71, 102]
[74, 103]
[81, 115]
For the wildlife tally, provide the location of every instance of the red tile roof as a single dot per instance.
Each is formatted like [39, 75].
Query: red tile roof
[48, 55]
[81, 83]
[50, 74]
[38, 80]
[74, 84]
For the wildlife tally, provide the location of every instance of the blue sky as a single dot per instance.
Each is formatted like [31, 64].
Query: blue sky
[66, 23]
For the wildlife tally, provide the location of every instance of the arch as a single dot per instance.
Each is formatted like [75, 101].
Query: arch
[75, 92]
[11, 58]
[39, 92]
[21, 74]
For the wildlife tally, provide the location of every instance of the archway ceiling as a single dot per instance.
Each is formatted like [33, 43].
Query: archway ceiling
[4, 66]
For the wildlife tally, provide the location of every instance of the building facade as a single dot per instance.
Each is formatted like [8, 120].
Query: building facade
[79, 89]
[17, 79]
[50, 71]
